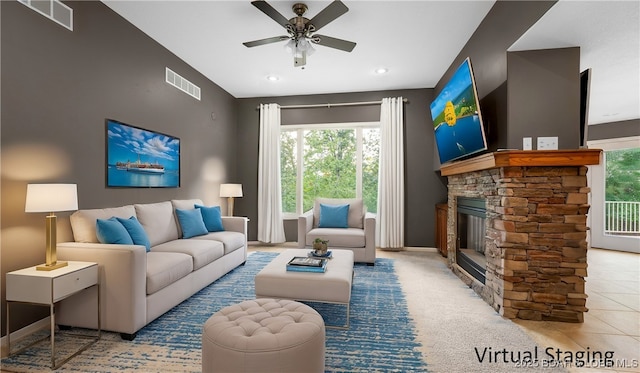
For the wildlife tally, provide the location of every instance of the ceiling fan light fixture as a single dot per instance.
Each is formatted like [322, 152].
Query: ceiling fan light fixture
[290, 47]
[382, 70]
[310, 49]
[301, 30]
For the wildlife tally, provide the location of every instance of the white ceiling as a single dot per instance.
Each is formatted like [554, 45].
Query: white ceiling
[413, 39]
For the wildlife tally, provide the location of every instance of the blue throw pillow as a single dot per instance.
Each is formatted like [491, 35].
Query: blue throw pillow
[137, 233]
[191, 223]
[112, 231]
[333, 216]
[212, 218]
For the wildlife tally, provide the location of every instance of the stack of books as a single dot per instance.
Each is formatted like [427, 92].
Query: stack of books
[307, 264]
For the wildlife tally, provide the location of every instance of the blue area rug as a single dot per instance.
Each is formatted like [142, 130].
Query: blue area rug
[381, 336]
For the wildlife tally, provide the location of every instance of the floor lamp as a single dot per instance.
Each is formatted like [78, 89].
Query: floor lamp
[51, 198]
[230, 191]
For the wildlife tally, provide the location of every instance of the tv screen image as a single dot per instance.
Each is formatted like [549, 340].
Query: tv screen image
[456, 117]
[141, 158]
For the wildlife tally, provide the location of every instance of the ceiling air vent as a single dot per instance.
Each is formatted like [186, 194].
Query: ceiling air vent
[52, 9]
[182, 84]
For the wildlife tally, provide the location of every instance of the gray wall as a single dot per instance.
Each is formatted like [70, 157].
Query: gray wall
[614, 130]
[544, 96]
[59, 86]
[423, 187]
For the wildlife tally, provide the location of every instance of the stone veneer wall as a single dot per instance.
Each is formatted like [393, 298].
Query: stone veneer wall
[536, 241]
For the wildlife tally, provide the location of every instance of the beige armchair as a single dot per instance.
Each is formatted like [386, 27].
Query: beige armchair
[358, 236]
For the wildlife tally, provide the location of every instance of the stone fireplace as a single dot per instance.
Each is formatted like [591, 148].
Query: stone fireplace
[535, 233]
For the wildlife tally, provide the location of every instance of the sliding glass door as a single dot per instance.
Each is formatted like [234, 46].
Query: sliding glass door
[614, 217]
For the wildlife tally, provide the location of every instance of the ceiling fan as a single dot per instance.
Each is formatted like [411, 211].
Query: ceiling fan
[301, 30]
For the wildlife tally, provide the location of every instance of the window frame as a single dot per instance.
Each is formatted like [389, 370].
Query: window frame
[299, 129]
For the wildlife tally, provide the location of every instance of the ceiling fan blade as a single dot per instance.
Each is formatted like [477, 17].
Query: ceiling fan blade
[256, 43]
[330, 42]
[271, 12]
[328, 14]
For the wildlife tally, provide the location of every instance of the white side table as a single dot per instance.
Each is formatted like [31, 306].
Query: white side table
[49, 287]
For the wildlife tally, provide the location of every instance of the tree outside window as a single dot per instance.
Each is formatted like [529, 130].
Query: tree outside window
[336, 163]
[622, 191]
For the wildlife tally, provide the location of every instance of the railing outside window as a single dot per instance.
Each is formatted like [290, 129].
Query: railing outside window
[622, 218]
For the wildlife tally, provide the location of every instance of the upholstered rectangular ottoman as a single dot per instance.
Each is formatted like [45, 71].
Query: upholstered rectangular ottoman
[332, 286]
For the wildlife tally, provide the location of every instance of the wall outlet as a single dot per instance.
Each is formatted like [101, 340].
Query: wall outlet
[548, 143]
[527, 143]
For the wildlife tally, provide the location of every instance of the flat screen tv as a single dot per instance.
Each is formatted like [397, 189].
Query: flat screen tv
[141, 158]
[456, 117]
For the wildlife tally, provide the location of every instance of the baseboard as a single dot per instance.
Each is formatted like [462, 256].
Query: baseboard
[411, 248]
[420, 248]
[21, 333]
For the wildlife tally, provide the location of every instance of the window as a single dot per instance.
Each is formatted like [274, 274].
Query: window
[332, 160]
[615, 196]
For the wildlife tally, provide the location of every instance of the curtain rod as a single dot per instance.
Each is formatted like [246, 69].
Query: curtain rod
[328, 105]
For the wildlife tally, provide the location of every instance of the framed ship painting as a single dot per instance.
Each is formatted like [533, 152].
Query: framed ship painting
[139, 158]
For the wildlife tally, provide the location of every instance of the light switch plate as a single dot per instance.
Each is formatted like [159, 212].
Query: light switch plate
[526, 143]
[548, 143]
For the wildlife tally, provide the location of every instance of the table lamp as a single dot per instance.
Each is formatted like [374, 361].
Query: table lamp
[51, 198]
[230, 191]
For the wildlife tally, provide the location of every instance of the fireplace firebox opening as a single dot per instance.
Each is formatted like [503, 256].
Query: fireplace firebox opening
[470, 236]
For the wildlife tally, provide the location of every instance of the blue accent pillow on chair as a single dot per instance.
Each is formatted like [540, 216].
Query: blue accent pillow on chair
[112, 231]
[333, 216]
[136, 231]
[212, 218]
[191, 223]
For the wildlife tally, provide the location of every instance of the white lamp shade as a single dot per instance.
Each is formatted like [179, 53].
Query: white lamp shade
[230, 190]
[51, 197]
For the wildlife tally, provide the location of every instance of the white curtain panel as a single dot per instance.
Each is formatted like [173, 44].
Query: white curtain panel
[270, 226]
[390, 217]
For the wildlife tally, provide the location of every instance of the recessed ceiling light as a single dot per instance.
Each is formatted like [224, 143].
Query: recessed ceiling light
[382, 70]
[272, 78]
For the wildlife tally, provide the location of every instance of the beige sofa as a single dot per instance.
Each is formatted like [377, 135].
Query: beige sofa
[137, 286]
[359, 236]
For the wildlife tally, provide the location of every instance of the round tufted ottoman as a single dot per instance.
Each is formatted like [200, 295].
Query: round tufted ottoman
[264, 335]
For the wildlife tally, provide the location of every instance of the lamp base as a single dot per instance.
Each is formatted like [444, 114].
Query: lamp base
[230, 206]
[51, 267]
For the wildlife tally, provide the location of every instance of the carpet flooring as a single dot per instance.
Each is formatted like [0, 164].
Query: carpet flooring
[381, 337]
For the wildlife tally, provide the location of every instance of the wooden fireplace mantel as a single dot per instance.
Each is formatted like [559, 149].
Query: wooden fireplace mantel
[524, 158]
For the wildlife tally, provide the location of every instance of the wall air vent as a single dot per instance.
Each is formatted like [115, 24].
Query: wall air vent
[182, 84]
[55, 10]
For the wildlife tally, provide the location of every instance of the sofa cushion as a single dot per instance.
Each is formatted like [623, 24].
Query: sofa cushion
[191, 222]
[158, 221]
[137, 233]
[212, 217]
[163, 269]
[333, 216]
[231, 240]
[203, 252]
[112, 231]
[83, 222]
[356, 210]
[185, 204]
[340, 237]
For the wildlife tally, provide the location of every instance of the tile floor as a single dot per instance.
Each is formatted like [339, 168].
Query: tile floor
[612, 323]
[613, 320]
